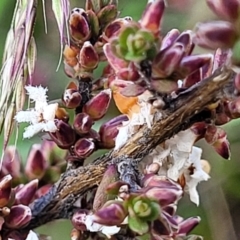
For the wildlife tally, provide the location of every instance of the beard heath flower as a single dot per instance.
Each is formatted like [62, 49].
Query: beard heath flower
[41, 116]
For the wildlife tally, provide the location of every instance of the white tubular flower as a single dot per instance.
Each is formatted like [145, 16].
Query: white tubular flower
[96, 227]
[177, 156]
[41, 117]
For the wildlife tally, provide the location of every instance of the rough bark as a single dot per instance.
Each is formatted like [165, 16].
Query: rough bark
[184, 110]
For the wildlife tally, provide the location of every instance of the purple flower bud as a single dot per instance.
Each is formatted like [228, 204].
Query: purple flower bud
[5, 190]
[214, 35]
[97, 107]
[84, 147]
[82, 123]
[79, 28]
[152, 16]
[19, 216]
[188, 225]
[167, 61]
[228, 10]
[185, 39]
[109, 131]
[88, 57]
[64, 137]
[36, 164]
[112, 213]
[217, 137]
[26, 193]
[190, 64]
[170, 38]
[192, 79]
[70, 55]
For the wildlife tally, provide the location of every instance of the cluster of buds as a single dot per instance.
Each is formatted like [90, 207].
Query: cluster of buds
[84, 52]
[149, 212]
[21, 185]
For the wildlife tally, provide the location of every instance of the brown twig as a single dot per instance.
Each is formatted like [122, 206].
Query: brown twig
[187, 108]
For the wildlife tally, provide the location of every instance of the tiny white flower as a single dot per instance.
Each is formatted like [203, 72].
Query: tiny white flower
[32, 236]
[41, 116]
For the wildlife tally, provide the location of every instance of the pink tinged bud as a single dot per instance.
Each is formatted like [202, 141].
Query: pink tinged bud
[101, 197]
[185, 39]
[26, 194]
[75, 234]
[97, 107]
[84, 147]
[11, 163]
[132, 90]
[64, 137]
[199, 129]
[88, 57]
[186, 226]
[70, 56]
[167, 61]
[19, 216]
[78, 25]
[36, 164]
[237, 82]
[112, 213]
[109, 131]
[152, 16]
[5, 190]
[221, 57]
[227, 10]
[71, 98]
[190, 64]
[116, 63]
[131, 73]
[82, 123]
[217, 137]
[214, 35]
[232, 108]
[163, 195]
[170, 38]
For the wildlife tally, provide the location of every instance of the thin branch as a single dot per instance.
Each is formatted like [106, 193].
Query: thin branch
[187, 108]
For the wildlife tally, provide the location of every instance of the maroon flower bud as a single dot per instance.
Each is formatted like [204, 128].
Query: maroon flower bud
[79, 28]
[84, 148]
[93, 23]
[112, 213]
[5, 190]
[11, 162]
[36, 164]
[192, 79]
[109, 131]
[214, 35]
[228, 10]
[185, 39]
[76, 234]
[237, 82]
[64, 137]
[26, 193]
[170, 38]
[167, 61]
[217, 137]
[88, 57]
[187, 225]
[71, 98]
[152, 16]
[19, 216]
[190, 64]
[82, 123]
[97, 107]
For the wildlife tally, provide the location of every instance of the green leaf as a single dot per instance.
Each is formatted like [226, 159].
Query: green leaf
[137, 225]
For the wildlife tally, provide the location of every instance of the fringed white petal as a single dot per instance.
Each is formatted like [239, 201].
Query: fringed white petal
[32, 130]
[50, 126]
[37, 93]
[50, 111]
[27, 116]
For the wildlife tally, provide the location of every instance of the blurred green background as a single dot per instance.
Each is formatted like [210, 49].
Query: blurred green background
[220, 197]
